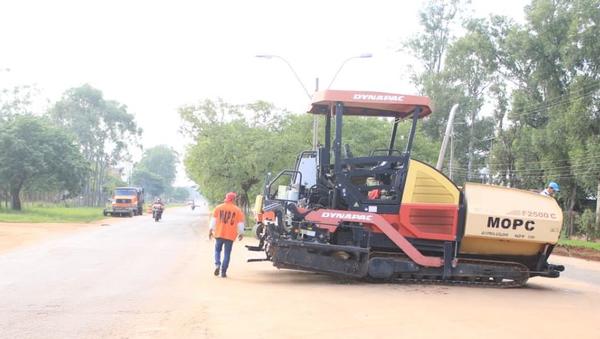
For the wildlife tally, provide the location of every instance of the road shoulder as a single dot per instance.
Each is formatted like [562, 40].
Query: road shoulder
[17, 235]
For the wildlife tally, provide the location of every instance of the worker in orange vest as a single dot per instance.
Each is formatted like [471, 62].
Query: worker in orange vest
[226, 224]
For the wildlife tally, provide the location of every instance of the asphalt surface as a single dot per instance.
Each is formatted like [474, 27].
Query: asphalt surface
[136, 278]
[91, 283]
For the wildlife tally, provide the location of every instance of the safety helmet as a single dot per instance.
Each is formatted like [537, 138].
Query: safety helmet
[229, 197]
[554, 186]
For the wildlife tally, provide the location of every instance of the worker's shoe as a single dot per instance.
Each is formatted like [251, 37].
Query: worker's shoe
[223, 274]
[217, 271]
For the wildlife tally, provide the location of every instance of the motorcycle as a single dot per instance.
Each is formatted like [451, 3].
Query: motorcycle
[157, 211]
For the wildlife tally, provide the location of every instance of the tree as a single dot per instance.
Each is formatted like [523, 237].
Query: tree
[104, 129]
[156, 170]
[552, 63]
[154, 185]
[15, 100]
[161, 160]
[180, 194]
[34, 149]
[234, 151]
[470, 67]
[454, 71]
[430, 47]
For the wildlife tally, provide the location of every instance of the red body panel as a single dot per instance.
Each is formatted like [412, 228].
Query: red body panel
[426, 221]
[371, 103]
[269, 215]
[329, 219]
[421, 221]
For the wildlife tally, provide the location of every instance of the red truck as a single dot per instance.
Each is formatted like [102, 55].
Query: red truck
[126, 201]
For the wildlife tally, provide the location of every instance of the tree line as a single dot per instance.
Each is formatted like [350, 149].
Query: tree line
[540, 80]
[76, 151]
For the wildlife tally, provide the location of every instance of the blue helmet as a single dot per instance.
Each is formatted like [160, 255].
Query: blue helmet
[554, 186]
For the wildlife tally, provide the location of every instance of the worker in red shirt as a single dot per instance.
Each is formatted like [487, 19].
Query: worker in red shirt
[226, 224]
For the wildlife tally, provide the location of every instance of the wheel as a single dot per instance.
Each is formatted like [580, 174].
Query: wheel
[257, 230]
[104, 212]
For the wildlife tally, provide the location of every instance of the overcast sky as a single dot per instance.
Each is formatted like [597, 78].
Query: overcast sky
[155, 56]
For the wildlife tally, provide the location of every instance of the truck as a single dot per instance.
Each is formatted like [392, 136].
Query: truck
[384, 216]
[126, 201]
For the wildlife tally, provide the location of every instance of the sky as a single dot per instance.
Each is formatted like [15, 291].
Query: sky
[155, 56]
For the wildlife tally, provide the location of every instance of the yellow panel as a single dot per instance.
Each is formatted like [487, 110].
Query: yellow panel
[424, 184]
[258, 204]
[476, 245]
[496, 212]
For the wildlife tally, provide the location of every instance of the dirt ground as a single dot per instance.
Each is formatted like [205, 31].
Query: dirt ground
[15, 235]
[583, 253]
[23, 234]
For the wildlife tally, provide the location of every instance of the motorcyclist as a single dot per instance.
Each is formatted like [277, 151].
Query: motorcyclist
[157, 206]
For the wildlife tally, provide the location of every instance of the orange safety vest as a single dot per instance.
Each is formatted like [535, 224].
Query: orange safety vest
[227, 217]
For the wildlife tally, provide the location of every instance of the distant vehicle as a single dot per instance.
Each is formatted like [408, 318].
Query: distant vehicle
[157, 211]
[126, 201]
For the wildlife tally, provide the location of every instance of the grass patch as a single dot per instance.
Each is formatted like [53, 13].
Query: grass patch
[36, 214]
[579, 244]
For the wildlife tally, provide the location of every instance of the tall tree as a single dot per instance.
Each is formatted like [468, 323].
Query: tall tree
[161, 160]
[180, 194]
[470, 67]
[154, 185]
[234, 151]
[33, 149]
[455, 71]
[553, 116]
[105, 131]
[429, 47]
[14, 100]
[156, 170]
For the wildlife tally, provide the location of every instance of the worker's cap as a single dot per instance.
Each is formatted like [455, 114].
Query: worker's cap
[554, 186]
[229, 197]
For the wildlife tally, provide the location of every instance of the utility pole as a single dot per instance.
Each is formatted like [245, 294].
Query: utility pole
[447, 135]
[316, 122]
[451, 150]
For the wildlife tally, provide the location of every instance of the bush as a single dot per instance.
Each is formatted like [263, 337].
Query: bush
[586, 225]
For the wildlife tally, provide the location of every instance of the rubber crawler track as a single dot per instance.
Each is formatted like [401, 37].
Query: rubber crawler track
[483, 281]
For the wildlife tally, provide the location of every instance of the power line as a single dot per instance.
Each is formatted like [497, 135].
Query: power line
[550, 168]
[561, 99]
[529, 175]
[540, 162]
[594, 168]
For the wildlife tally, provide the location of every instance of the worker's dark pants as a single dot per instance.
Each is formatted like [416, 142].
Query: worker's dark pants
[218, 246]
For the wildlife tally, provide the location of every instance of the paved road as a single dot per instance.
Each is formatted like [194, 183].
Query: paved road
[141, 279]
